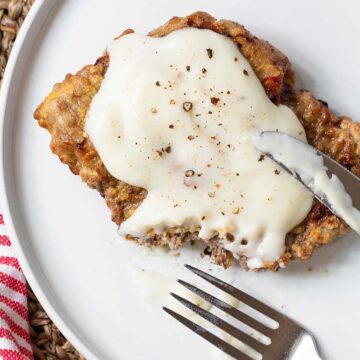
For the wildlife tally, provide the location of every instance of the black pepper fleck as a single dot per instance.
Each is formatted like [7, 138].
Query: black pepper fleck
[214, 100]
[187, 67]
[245, 72]
[189, 173]
[210, 53]
[262, 157]
[187, 106]
[230, 237]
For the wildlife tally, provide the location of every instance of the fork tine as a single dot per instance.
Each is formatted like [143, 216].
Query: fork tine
[240, 295]
[237, 314]
[238, 334]
[213, 339]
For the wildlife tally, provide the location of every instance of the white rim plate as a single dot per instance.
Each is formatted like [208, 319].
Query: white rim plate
[32, 24]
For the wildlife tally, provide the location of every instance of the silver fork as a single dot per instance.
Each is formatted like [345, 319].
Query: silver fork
[289, 341]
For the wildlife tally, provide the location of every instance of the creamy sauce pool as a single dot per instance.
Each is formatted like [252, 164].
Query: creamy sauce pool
[176, 116]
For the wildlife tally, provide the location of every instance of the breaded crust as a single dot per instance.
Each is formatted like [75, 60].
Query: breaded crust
[63, 114]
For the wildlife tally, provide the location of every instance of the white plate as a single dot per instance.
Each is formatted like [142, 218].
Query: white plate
[67, 245]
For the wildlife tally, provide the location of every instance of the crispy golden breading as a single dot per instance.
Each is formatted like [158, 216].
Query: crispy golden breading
[63, 113]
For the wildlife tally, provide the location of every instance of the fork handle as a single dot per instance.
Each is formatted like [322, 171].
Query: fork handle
[305, 349]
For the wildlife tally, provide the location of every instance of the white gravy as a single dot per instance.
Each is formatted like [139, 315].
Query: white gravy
[176, 116]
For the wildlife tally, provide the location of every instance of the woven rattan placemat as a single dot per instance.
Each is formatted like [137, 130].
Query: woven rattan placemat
[47, 341]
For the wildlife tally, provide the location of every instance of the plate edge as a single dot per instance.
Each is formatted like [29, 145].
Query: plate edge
[40, 7]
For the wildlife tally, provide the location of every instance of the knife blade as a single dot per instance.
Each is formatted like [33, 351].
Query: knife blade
[331, 183]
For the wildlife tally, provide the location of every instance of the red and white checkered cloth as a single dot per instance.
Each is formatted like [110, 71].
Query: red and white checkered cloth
[14, 317]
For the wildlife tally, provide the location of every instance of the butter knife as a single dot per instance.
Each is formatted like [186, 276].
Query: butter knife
[332, 184]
